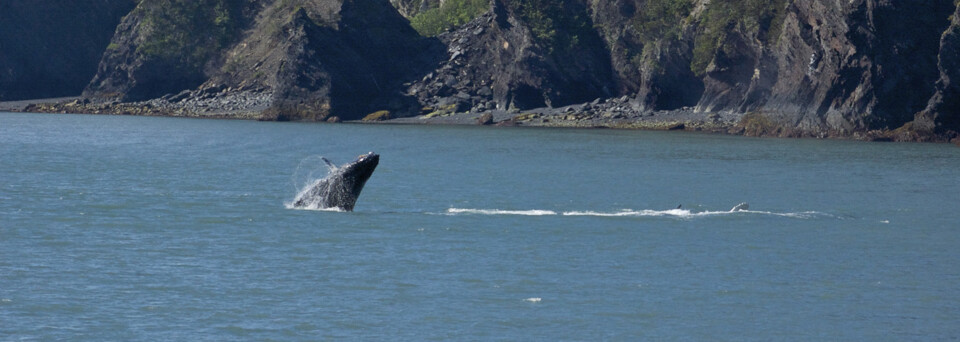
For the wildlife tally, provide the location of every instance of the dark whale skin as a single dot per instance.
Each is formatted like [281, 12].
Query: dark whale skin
[341, 188]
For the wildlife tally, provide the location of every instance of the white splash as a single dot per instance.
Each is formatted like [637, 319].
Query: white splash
[312, 205]
[310, 171]
[309, 174]
[533, 299]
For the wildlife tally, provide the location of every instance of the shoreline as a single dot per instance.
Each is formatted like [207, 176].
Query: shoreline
[17, 106]
[611, 113]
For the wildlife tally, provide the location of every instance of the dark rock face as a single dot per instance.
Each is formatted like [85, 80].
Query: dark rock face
[783, 67]
[835, 65]
[942, 114]
[166, 46]
[314, 58]
[654, 65]
[496, 62]
[50, 48]
[811, 67]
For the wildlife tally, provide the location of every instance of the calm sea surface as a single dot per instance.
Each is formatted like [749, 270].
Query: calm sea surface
[159, 229]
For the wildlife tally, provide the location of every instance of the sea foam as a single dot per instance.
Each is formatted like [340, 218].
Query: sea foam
[501, 212]
[678, 213]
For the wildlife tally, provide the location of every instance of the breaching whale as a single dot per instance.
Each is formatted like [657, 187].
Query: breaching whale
[341, 187]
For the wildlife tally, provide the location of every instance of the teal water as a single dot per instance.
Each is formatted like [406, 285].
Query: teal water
[135, 228]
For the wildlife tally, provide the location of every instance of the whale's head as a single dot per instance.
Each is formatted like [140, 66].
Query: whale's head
[360, 170]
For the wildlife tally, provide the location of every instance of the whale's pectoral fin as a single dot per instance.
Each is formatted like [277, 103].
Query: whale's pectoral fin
[740, 207]
[330, 164]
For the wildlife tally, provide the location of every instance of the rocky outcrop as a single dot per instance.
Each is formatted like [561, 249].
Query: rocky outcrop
[50, 48]
[875, 69]
[313, 59]
[942, 114]
[166, 46]
[806, 67]
[851, 66]
[651, 49]
[497, 61]
[347, 68]
[810, 67]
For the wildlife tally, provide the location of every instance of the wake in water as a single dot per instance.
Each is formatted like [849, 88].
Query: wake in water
[501, 212]
[740, 209]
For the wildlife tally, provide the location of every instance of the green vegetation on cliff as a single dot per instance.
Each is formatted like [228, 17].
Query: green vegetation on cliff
[658, 21]
[555, 24]
[661, 19]
[452, 14]
[761, 17]
[187, 30]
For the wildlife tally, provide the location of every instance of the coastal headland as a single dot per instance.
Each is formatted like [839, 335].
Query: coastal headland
[862, 69]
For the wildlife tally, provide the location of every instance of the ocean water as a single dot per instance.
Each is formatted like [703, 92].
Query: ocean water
[145, 229]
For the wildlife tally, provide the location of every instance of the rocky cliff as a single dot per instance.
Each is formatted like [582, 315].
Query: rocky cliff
[286, 59]
[50, 48]
[882, 69]
[843, 66]
[790, 68]
[942, 113]
[499, 61]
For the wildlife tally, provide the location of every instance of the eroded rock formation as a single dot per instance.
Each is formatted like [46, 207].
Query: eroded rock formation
[868, 68]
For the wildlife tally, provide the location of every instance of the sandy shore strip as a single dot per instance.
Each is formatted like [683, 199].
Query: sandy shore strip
[20, 105]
